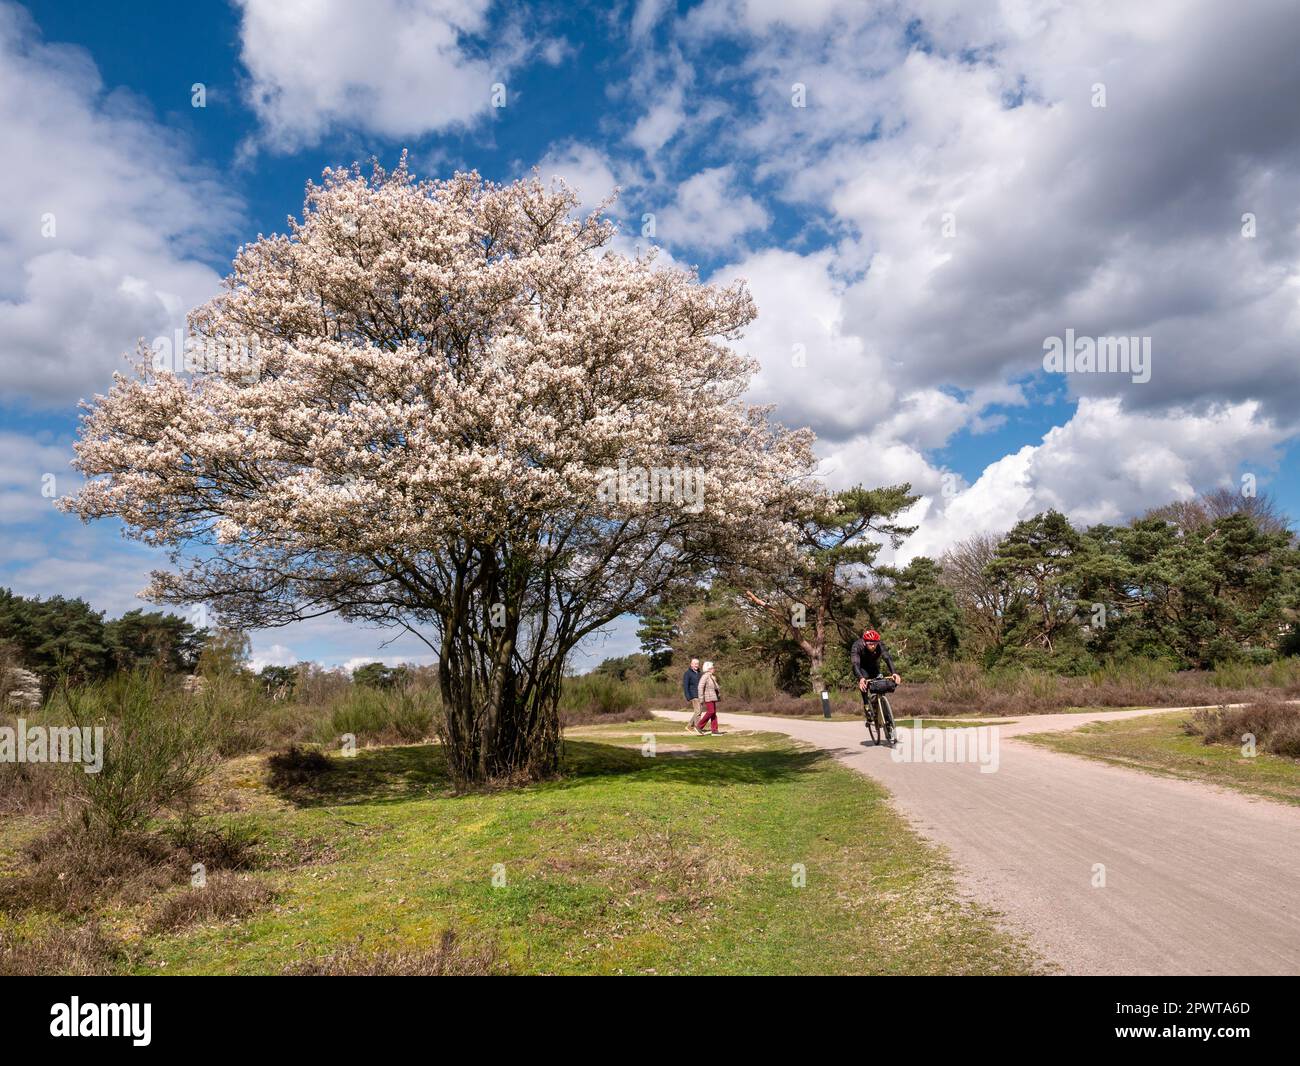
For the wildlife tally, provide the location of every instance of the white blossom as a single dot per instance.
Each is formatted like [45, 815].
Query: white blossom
[440, 384]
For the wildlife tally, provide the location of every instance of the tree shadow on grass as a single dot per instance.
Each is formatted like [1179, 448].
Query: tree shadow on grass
[585, 761]
[374, 775]
[419, 771]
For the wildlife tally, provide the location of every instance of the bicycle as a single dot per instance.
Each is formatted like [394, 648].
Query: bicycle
[880, 718]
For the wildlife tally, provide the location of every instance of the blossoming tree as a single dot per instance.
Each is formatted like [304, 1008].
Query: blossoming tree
[445, 375]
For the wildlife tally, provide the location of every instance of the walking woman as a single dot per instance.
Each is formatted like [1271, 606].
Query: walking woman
[709, 696]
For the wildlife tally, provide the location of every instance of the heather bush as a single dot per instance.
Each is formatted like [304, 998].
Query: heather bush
[1275, 725]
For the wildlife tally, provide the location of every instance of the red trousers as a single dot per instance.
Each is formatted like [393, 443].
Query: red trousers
[710, 714]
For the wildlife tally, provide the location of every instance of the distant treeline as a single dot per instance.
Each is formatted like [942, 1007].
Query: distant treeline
[1193, 585]
[66, 639]
[62, 640]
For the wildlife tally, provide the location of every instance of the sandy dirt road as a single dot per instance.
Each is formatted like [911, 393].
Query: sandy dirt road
[1198, 880]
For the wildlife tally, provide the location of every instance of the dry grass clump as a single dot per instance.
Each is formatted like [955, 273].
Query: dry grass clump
[597, 717]
[222, 898]
[62, 951]
[780, 703]
[73, 871]
[450, 957]
[26, 788]
[595, 697]
[1274, 724]
[379, 716]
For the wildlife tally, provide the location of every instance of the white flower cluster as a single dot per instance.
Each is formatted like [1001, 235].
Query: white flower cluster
[444, 367]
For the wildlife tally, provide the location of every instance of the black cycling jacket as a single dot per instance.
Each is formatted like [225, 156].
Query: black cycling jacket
[866, 663]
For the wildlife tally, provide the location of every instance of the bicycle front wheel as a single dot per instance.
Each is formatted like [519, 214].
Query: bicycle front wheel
[873, 721]
[888, 714]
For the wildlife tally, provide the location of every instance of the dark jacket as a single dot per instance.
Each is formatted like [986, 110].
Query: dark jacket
[866, 664]
[691, 684]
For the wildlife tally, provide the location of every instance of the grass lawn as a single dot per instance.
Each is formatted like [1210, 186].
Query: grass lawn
[1156, 743]
[683, 862]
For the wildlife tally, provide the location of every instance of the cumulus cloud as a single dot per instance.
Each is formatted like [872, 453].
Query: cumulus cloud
[102, 220]
[660, 123]
[394, 67]
[979, 202]
[1107, 461]
[1104, 465]
[273, 655]
[813, 371]
[711, 211]
[992, 205]
[33, 473]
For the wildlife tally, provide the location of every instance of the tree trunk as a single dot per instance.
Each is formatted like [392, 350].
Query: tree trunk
[498, 726]
[815, 649]
[817, 646]
[815, 667]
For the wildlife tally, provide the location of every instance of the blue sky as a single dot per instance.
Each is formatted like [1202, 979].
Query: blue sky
[961, 182]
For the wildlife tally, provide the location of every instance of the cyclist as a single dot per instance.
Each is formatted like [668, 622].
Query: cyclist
[868, 651]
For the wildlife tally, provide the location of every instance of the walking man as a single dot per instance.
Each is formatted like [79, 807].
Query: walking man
[691, 690]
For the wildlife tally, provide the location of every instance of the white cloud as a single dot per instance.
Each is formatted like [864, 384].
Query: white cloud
[710, 212]
[646, 16]
[1108, 461]
[1104, 465]
[977, 202]
[33, 473]
[81, 563]
[398, 68]
[811, 369]
[273, 655]
[988, 204]
[817, 374]
[1001, 496]
[660, 123]
[99, 222]
[674, 112]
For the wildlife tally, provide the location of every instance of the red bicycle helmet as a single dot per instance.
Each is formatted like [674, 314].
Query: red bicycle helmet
[871, 636]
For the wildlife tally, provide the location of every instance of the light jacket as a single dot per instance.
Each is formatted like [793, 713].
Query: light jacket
[709, 691]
